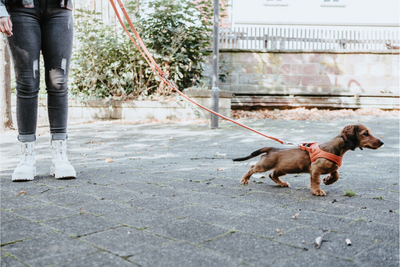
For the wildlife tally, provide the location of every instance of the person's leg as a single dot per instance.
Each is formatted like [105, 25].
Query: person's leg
[25, 49]
[25, 46]
[57, 36]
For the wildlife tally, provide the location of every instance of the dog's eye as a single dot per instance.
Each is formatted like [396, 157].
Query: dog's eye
[366, 134]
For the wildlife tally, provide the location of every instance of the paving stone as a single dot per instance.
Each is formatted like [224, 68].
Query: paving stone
[8, 215]
[335, 242]
[139, 218]
[119, 195]
[251, 249]
[379, 255]
[44, 190]
[21, 202]
[268, 198]
[67, 198]
[48, 249]
[385, 217]
[223, 191]
[332, 207]
[166, 191]
[172, 255]
[202, 214]
[257, 226]
[82, 224]
[315, 259]
[125, 241]
[11, 262]
[46, 212]
[98, 207]
[98, 260]
[7, 193]
[8, 184]
[189, 231]
[374, 231]
[158, 203]
[19, 229]
[315, 219]
[136, 186]
[206, 200]
[371, 203]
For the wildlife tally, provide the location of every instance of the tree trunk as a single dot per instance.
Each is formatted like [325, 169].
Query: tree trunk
[5, 86]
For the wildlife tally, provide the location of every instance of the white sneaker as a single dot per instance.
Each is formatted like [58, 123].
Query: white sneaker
[60, 167]
[26, 169]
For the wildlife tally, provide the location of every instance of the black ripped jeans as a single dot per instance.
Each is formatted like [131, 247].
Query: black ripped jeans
[47, 28]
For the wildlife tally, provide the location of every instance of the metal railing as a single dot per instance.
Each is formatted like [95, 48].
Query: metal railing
[291, 39]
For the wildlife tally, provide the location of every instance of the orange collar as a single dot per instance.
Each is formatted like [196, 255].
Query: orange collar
[316, 152]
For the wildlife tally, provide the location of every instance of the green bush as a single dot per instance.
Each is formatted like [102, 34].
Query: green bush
[106, 64]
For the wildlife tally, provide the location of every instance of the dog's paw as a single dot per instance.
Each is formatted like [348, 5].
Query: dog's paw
[327, 180]
[285, 184]
[319, 192]
[244, 181]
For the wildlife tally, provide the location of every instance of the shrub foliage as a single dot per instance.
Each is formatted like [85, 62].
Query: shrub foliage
[106, 64]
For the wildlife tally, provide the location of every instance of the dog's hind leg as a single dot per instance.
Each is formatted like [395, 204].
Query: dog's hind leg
[275, 177]
[330, 179]
[253, 169]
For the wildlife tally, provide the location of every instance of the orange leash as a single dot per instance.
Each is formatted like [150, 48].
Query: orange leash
[157, 70]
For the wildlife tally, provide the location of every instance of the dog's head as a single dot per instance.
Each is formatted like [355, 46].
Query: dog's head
[359, 136]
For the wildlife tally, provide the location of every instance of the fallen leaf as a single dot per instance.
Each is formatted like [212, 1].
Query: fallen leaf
[295, 216]
[109, 160]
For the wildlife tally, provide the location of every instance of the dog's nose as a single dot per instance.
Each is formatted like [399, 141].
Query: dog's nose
[380, 143]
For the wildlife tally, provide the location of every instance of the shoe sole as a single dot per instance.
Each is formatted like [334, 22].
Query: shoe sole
[70, 175]
[24, 176]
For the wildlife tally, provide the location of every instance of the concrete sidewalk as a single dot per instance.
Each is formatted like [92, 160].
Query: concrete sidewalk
[172, 197]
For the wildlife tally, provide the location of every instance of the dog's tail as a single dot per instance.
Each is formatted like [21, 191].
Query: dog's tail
[255, 153]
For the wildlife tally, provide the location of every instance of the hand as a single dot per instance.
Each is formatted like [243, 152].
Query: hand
[6, 26]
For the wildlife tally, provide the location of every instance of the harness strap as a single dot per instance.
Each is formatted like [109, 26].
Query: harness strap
[316, 152]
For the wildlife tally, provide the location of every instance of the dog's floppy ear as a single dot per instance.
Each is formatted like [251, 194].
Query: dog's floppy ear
[350, 136]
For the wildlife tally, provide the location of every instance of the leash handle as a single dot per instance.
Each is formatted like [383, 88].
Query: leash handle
[157, 70]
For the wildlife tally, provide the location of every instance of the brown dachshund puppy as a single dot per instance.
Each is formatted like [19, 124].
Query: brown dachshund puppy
[296, 160]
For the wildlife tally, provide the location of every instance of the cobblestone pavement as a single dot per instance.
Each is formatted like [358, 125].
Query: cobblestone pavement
[172, 197]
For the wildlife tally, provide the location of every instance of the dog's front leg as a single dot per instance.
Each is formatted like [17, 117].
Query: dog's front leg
[315, 183]
[330, 179]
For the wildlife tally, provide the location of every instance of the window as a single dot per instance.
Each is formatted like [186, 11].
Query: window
[276, 3]
[333, 3]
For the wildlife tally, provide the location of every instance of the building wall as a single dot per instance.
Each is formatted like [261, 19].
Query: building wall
[302, 73]
[348, 14]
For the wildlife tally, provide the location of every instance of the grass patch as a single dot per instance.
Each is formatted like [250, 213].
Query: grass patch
[349, 193]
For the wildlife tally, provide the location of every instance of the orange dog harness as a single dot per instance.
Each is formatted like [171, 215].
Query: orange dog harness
[316, 152]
